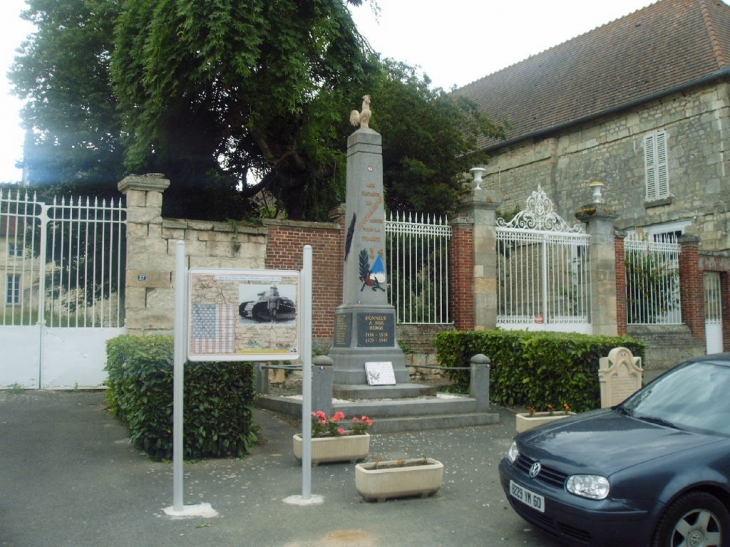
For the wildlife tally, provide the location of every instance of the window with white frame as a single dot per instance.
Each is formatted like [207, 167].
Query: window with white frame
[656, 166]
[12, 293]
[15, 249]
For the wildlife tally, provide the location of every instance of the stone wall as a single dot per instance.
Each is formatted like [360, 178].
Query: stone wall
[666, 346]
[611, 149]
[151, 251]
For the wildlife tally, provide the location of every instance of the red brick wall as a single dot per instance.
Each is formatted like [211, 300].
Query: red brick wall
[692, 289]
[461, 282]
[284, 251]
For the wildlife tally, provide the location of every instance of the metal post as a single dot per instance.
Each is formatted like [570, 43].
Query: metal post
[178, 372]
[307, 373]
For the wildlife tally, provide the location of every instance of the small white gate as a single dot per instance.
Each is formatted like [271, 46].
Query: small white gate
[418, 267]
[63, 269]
[542, 271]
[713, 312]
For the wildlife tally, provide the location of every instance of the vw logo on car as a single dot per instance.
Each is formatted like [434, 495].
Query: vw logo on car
[535, 469]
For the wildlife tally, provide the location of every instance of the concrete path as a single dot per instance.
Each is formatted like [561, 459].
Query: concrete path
[70, 478]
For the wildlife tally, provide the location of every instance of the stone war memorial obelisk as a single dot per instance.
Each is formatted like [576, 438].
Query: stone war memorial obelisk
[365, 324]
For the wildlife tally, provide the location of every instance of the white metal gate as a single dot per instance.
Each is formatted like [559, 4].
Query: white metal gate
[63, 268]
[418, 267]
[652, 281]
[713, 312]
[542, 271]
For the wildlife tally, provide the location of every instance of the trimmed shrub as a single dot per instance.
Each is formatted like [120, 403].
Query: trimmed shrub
[534, 369]
[218, 398]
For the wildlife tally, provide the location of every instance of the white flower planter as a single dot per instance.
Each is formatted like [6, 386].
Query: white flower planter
[525, 421]
[347, 448]
[382, 480]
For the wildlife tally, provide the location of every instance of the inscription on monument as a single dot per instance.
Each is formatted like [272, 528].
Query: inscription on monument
[375, 329]
[343, 329]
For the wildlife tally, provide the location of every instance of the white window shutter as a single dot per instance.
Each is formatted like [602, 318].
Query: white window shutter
[650, 167]
[656, 166]
[662, 165]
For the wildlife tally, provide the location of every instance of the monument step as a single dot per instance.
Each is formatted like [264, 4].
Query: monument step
[395, 391]
[438, 421]
[406, 407]
[392, 416]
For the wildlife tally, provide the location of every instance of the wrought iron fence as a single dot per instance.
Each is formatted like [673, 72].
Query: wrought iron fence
[652, 282]
[418, 267]
[66, 259]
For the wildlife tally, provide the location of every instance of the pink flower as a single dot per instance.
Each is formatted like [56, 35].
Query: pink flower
[338, 416]
[341, 431]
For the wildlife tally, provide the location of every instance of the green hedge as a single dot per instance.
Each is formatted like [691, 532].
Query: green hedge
[534, 369]
[218, 398]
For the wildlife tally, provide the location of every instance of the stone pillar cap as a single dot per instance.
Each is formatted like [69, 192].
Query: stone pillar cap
[155, 182]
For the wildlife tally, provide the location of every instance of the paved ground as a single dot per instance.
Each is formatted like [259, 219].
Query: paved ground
[69, 478]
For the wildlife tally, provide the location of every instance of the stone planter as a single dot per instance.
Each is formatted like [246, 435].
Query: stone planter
[347, 448]
[398, 479]
[525, 421]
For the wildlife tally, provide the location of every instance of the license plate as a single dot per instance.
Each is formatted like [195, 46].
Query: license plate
[536, 501]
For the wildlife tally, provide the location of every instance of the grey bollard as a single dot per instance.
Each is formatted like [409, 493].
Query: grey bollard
[479, 386]
[262, 379]
[323, 372]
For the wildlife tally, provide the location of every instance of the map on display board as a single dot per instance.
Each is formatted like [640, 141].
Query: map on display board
[243, 315]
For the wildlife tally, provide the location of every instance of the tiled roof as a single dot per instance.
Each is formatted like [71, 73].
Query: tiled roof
[669, 44]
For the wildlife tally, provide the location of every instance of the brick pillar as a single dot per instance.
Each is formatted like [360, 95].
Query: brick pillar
[599, 222]
[692, 286]
[479, 211]
[461, 272]
[150, 265]
[621, 315]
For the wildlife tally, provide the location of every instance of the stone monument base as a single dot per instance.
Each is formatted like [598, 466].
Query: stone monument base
[366, 334]
[350, 364]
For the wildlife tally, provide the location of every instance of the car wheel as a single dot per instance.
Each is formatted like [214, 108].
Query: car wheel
[697, 520]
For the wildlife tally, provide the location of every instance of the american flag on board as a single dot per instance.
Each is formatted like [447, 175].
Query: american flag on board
[213, 328]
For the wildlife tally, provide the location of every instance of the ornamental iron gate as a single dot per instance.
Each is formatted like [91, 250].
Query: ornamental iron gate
[542, 271]
[63, 268]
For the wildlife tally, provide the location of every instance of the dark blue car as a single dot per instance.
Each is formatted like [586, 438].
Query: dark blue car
[652, 471]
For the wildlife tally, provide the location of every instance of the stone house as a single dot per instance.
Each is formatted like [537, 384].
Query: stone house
[641, 104]
[15, 269]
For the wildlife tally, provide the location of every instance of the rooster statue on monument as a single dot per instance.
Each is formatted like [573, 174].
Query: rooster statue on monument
[362, 118]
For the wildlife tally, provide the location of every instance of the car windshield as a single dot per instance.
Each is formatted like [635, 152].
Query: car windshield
[695, 395]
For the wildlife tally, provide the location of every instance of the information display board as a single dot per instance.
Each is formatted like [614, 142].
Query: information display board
[243, 315]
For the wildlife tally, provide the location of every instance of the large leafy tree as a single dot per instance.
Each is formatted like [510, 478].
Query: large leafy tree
[230, 87]
[232, 100]
[70, 111]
